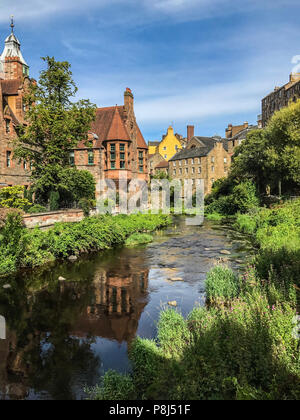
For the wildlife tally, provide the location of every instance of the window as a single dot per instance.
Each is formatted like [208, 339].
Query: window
[186, 170]
[174, 163]
[174, 172]
[141, 155]
[213, 169]
[72, 158]
[166, 156]
[91, 157]
[122, 147]
[193, 170]
[25, 164]
[212, 160]
[180, 163]
[186, 161]
[8, 159]
[141, 168]
[112, 156]
[199, 170]
[112, 147]
[165, 148]
[212, 180]
[122, 156]
[176, 148]
[7, 126]
[193, 161]
[180, 171]
[122, 164]
[199, 161]
[225, 160]
[112, 165]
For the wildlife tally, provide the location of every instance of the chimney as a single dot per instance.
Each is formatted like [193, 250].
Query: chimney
[128, 100]
[228, 131]
[246, 124]
[190, 132]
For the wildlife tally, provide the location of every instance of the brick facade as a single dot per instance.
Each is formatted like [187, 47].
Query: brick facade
[13, 83]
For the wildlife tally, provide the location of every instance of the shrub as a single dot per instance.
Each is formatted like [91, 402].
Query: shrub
[221, 283]
[113, 387]
[13, 197]
[37, 208]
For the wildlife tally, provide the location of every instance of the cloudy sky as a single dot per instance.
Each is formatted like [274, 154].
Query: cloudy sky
[201, 62]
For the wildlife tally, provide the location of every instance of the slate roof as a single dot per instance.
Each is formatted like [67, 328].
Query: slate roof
[243, 133]
[206, 145]
[153, 143]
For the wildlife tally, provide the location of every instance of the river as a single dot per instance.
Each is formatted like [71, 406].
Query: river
[63, 335]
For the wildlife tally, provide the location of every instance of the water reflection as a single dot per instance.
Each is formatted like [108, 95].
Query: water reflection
[53, 334]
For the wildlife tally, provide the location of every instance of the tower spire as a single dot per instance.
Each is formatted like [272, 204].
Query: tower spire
[12, 25]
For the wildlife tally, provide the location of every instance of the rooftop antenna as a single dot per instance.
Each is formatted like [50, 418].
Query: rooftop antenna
[12, 25]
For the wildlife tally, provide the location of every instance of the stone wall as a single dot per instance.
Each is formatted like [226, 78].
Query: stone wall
[44, 220]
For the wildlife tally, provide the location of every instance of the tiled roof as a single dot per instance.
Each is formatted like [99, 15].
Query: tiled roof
[109, 124]
[140, 139]
[206, 144]
[117, 129]
[10, 87]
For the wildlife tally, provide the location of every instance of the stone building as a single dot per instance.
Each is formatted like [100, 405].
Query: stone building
[236, 134]
[14, 81]
[280, 97]
[204, 158]
[170, 144]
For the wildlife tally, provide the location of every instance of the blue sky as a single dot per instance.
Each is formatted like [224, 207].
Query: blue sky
[201, 62]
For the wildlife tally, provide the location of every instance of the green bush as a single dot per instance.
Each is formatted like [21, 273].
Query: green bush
[37, 208]
[245, 350]
[113, 387]
[221, 283]
[31, 248]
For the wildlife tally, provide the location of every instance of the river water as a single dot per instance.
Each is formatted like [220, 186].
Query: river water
[61, 336]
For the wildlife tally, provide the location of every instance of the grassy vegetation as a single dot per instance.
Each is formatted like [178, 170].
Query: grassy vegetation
[139, 239]
[243, 344]
[21, 247]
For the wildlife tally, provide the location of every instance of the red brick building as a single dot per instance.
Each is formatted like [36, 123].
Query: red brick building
[13, 83]
[117, 146]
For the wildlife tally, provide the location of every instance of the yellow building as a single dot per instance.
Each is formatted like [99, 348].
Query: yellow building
[168, 147]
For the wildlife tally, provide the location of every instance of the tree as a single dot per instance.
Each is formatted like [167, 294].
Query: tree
[55, 125]
[272, 156]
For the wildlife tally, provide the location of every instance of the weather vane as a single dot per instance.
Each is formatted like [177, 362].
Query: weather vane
[12, 25]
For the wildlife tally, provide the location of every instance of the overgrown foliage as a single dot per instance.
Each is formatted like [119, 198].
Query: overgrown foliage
[13, 197]
[55, 126]
[243, 345]
[21, 247]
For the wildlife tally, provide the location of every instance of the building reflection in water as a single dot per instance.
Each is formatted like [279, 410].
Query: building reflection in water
[48, 351]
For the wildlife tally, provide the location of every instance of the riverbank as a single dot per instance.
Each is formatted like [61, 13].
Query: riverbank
[244, 344]
[24, 248]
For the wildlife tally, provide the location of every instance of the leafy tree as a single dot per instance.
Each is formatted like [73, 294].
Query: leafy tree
[13, 197]
[271, 157]
[55, 125]
[75, 185]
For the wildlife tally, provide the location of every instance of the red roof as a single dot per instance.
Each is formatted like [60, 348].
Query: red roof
[117, 129]
[109, 124]
[10, 87]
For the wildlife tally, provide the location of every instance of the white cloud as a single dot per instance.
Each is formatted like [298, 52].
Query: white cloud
[134, 12]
